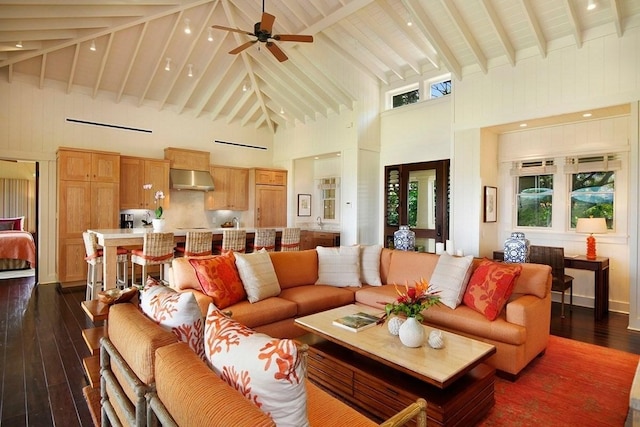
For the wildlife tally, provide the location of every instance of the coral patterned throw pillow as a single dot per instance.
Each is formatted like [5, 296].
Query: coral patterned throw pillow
[175, 312]
[490, 287]
[267, 371]
[219, 278]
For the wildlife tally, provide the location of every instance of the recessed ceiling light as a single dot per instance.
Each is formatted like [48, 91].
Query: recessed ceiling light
[316, 158]
[19, 44]
[92, 48]
[338, 154]
[587, 115]
[591, 4]
[523, 125]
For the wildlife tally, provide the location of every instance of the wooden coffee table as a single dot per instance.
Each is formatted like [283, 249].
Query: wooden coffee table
[373, 371]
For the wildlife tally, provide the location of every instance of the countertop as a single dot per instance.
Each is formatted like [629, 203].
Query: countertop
[115, 233]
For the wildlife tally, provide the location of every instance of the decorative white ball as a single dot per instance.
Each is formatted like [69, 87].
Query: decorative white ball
[435, 339]
[394, 325]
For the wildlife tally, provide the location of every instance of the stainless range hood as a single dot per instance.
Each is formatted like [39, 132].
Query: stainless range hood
[182, 179]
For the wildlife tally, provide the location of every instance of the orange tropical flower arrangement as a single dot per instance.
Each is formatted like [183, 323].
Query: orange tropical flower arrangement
[412, 301]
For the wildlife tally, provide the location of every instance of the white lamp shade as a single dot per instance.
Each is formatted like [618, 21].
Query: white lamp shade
[591, 226]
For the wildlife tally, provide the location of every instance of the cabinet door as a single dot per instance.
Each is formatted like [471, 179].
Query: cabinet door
[239, 189]
[271, 177]
[71, 264]
[105, 205]
[74, 165]
[74, 209]
[105, 167]
[131, 181]
[156, 172]
[306, 240]
[271, 206]
[219, 198]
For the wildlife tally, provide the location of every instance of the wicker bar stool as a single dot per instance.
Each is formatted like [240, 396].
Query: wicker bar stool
[157, 249]
[94, 258]
[234, 240]
[290, 240]
[197, 243]
[265, 238]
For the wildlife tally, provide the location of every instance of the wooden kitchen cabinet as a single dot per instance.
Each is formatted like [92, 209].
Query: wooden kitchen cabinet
[88, 197]
[137, 171]
[310, 239]
[231, 189]
[181, 158]
[268, 197]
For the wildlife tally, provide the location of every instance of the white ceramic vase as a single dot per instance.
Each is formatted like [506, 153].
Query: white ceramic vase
[411, 333]
[158, 224]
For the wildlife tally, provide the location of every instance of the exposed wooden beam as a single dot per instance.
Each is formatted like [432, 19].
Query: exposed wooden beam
[574, 22]
[535, 27]
[103, 63]
[617, 18]
[468, 37]
[132, 61]
[499, 29]
[434, 37]
[74, 66]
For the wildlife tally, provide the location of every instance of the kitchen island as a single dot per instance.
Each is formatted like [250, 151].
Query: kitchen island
[110, 239]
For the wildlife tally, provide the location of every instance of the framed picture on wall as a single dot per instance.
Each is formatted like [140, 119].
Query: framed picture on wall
[304, 204]
[490, 204]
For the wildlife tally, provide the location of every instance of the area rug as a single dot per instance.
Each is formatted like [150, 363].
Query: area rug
[572, 384]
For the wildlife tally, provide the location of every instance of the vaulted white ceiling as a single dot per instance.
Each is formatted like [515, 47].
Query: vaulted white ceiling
[134, 40]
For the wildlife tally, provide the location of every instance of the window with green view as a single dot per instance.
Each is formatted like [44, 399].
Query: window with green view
[592, 195]
[534, 200]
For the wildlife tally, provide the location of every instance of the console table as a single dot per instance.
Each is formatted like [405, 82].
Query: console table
[600, 267]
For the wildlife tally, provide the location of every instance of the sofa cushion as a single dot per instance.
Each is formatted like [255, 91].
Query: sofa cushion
[262, 312]
[450, 278]
[183, 275]
[490, 287]
[194, 395]
[128, 325]
[534, 279]
[269, 372]
[175, 312]
[305, 271]
[314, 298]
[326, 410]
[218, 277]
[370, 264]
[257, 274]
[339, 266]
[410, 267]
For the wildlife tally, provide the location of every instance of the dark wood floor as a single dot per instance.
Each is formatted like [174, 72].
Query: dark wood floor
[41, 351]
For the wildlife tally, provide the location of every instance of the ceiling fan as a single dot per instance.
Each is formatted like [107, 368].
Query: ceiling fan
[262, 32]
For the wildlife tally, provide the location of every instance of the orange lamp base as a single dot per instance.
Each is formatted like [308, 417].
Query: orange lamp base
[591, 247]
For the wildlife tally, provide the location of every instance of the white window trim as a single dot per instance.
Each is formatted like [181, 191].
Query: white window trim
[404, 89]
[428, 83]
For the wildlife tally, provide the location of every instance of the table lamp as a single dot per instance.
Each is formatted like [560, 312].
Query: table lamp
[591, 226]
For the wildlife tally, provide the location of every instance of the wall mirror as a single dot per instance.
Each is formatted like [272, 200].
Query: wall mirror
[417, 194]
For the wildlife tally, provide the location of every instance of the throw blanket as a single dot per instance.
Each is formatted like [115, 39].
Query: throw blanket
[18, 245]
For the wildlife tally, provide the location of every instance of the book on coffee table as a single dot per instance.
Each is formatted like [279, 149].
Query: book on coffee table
[357, 321]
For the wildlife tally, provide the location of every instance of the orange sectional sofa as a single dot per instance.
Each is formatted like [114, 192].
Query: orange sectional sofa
[520, 333]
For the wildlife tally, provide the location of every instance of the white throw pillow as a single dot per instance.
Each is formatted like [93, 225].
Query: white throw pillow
[270, 372]
[257, 274]
[450, 277]
[370, 265]
[339, 266]
[177, 312]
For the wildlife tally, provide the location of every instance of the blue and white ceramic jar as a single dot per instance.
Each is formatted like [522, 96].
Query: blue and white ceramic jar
[516, 248]
[404, 239]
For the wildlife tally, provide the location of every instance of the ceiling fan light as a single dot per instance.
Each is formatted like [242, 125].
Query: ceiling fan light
[187, 28]
[92, 48]
[591, 4]
[167, 67]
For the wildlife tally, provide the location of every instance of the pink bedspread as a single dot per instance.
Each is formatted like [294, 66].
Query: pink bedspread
[18, 245]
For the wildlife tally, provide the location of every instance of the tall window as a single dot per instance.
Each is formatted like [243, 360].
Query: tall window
[535, 200]
[328, 188]
[592, 195]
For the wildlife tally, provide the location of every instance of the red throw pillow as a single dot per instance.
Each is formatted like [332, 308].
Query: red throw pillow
[490, 287]
[219, 278]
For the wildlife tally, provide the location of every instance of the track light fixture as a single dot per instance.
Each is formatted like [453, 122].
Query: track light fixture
[190, 73]
[92, 48]
[281, 110]
[187, 28]
[210, 35]
[245, 86]
[19, 44]
[591, 4]
[167, 67]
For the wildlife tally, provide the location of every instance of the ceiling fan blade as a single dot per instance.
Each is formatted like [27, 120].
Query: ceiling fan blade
[266, 23]
[242, 47]
[293, 38]
[235, 30]
[277, 52]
